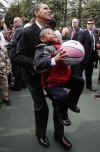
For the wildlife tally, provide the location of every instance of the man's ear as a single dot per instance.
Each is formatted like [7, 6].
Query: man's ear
[41, 39]
[36, 13]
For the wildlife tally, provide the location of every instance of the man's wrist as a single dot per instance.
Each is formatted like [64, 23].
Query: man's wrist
[53, 61]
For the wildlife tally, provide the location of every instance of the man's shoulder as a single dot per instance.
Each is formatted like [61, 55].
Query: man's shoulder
[83, 31]
[32, 28]
[19, 28]
[19, 31]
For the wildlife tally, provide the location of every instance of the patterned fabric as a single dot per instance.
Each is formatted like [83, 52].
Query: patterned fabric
[5, 65]
[4, 88]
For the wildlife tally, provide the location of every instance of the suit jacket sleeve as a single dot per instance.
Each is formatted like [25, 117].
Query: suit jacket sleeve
[22, 49]
[27, 44]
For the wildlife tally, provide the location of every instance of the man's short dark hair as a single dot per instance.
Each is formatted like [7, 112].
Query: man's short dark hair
[51, 24]
[90, 19]
[37, 7]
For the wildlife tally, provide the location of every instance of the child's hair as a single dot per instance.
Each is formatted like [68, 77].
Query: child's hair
[44, 31]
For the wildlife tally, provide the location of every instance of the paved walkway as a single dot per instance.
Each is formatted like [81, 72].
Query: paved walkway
[17, 125]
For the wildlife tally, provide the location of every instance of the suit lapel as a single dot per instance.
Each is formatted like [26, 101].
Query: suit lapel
[88, 34]
[35, 28]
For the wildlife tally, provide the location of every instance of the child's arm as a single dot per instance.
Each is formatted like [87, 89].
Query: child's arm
[42, 59]
[45, 58]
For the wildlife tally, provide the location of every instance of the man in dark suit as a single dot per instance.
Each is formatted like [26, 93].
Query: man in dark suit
[73, 35]
[74, 30]
[28, 42]
[89, 39]
[12, 48]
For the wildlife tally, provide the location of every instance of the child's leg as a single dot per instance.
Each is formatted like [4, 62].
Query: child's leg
[59, 99]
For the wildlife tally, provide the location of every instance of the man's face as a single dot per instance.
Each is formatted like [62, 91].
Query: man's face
[75, 23]
[17, 22]
[90, 25]
[44, 12]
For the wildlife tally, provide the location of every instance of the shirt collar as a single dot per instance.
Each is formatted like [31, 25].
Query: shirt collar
[38, 24]
[90, 31]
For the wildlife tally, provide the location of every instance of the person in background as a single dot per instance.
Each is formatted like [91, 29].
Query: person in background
[98, 52]
[12, 46]
[5, 65]
[52, 24]
[96, 31]
[3, 33]
[5, 69]
[89, 40]
[11, 31]
[65, 33]
[60, 29]
[74, 32]
[97, 96]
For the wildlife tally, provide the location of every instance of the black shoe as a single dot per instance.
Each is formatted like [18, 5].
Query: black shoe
[97, 96]
[44, 141]
[15, 88]
[1, 103]
[75, 109]
[7, 102]
[64, 142]
[92, 89]
[67, 122]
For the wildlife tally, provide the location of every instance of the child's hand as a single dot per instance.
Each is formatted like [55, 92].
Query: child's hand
[57, 57]
[60, 55]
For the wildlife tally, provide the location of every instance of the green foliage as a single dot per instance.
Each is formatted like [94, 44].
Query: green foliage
[92, 9]
[12, 12]
[62, 10]
[21, 9]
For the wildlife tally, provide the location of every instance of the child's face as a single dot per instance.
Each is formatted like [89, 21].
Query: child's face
[50, 36]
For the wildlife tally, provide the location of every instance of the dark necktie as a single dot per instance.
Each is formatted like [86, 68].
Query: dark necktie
[93, 40]
[72, 34]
